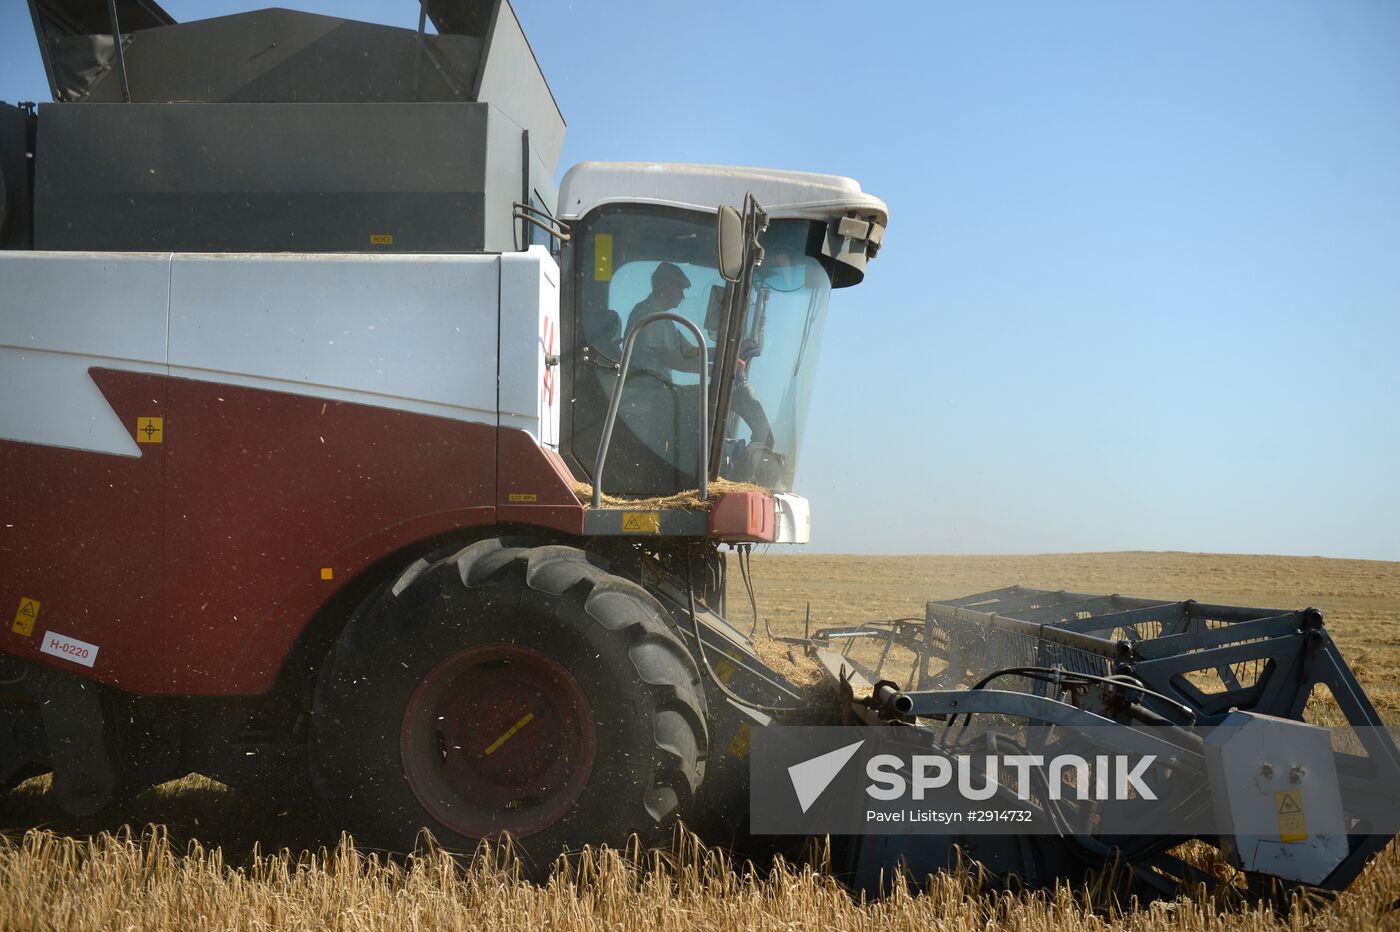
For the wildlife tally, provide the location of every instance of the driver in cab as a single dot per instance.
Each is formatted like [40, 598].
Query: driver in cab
[662, 348]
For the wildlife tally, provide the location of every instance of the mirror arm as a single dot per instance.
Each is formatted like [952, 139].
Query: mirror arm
[755, 220]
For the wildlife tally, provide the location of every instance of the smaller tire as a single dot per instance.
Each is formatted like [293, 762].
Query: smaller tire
[509, 689]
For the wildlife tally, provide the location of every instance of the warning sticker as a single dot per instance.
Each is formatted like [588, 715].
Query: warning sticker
[25, 616]
[522, 498]
[1288, 804]
[743, 738]
[724, 670]
[641, 522]
[381, 239]
[150, 430]
[69, 648]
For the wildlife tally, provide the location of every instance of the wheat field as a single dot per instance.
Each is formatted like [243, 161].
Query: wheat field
[193, 855]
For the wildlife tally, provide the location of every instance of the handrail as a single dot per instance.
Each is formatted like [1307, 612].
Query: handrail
[555, 228]
[611, 420]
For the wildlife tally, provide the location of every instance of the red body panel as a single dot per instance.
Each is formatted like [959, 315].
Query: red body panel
[535, 489]
[80, 533]
[743, 516]
[195, 567]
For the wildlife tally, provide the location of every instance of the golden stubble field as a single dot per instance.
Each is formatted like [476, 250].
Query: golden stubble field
[218, 860]
[1360, 599]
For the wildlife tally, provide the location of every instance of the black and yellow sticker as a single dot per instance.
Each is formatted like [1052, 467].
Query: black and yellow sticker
[1288, 805]
[150, 430]
[25, 616]
[724, 670]
[381, 239]
[743, 738]
[641, 522]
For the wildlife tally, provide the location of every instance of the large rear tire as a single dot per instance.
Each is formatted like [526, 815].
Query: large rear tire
[514, 689]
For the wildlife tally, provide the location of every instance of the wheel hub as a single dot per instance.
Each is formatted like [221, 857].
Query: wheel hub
[498, 738]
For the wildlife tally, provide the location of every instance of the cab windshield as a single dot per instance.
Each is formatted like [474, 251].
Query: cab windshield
[634, 261]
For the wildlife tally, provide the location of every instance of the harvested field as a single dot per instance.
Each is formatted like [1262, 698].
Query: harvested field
[218, 859]
[1360, 599]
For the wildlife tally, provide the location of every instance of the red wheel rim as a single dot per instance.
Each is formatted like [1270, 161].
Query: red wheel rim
[498, 738]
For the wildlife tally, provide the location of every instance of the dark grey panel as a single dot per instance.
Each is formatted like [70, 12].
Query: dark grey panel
[670, 522]
[282, 56]
[267, 177]
[16, 215]
[512, 81]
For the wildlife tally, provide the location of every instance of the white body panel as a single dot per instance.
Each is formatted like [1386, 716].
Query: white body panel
[529, 335]
[62, 313]
[794, 514]
[1273, 785]
[415, 332]
[408, 332]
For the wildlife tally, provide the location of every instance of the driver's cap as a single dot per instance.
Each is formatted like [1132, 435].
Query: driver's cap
[669, 272]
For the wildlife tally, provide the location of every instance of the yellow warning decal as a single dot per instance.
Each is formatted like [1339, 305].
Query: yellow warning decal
[602, 257]
[1288, 804]
[739, 747]
[150, 430]
[327, 572]
[641, 522]
[496, 745]
[25, 617]
[724, 670]
[523, 497]
[381, 239]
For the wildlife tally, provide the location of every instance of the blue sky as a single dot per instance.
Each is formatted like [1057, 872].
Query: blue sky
[1141, 288]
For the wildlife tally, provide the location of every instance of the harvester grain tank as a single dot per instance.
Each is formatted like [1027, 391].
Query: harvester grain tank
[343, 451]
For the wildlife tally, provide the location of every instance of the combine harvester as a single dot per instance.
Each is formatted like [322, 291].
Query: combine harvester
[305, 365]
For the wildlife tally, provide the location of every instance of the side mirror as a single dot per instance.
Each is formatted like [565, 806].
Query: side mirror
[730, 228]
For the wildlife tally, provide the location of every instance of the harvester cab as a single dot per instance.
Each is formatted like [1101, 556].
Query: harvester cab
[644, 241]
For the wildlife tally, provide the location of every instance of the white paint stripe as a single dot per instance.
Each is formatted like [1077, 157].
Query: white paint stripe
[49, 399]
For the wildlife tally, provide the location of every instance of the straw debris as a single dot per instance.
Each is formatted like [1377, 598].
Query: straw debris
[789, 661]
[689, 499]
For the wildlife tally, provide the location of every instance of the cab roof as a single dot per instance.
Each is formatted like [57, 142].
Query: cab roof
[783, 194]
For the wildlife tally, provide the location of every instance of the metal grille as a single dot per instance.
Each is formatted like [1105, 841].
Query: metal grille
[976, 649]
